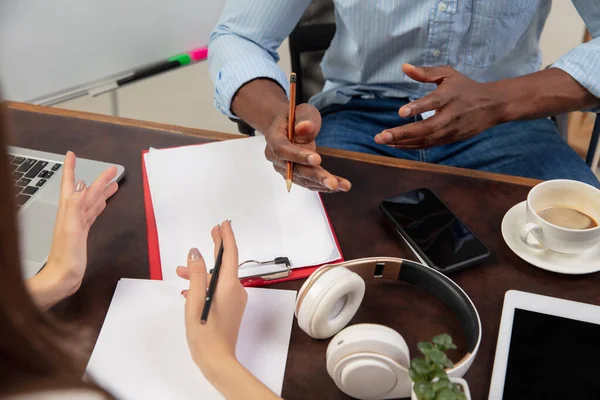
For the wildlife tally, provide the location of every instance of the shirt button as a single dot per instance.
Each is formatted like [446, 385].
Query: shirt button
[442, 7]
[437, 53]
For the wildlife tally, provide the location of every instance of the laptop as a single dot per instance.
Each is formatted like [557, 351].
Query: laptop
[37, 176]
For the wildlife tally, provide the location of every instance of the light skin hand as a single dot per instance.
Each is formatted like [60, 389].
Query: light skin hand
[212, 345]
[79, 206]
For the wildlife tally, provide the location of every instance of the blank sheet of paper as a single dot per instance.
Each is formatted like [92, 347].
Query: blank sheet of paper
[142, 352]
[194, 188]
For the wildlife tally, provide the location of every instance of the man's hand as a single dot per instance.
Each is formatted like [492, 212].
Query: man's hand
[307, 163]
[463, 108]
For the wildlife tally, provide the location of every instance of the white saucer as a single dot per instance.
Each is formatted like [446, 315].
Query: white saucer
[583, 263]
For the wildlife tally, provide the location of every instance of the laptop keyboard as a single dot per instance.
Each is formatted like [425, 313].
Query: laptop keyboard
[29, 175]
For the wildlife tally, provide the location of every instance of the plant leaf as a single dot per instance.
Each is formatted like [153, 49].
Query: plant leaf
[446, 394]
[461, 396]
[444, 341]
[424, 391]
[439, 373]
[441, 384]
[448, 363]
[425, 347]
[415, 376]
[421, 366]
[438, 357]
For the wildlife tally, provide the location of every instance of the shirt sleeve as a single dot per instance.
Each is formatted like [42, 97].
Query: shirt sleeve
[583, 62]
[243, 46]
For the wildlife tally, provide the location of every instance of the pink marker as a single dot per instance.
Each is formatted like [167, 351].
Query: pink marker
[199, 54]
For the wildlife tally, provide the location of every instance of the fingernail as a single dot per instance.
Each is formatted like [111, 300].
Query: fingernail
[80, 186]
[194, 254]
[327, 185]
[386, 137]
[405, 112]
[312, 160]
[410, 65]
[184, 293]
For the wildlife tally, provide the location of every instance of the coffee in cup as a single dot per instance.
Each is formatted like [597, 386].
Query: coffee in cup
[562, 216]
[566, 217]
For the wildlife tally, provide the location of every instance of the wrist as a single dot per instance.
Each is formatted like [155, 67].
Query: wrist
[259, 103]
[500, 96]
[220, 370]
[50, 286]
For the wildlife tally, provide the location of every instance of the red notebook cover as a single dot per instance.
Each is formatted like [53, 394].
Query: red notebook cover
[154, 249]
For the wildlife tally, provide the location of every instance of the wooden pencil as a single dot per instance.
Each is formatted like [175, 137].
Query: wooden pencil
[289, 175]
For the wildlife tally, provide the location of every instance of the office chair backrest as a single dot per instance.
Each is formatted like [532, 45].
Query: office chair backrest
[308, 42]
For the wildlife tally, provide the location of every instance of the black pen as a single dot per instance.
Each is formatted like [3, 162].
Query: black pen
[149, 71]
[212, 286]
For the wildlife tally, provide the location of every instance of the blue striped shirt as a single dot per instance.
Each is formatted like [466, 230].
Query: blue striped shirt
[486, 40]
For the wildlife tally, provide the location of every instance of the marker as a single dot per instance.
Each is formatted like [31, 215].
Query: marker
[199, 54]
[163, 66]
[149, 71]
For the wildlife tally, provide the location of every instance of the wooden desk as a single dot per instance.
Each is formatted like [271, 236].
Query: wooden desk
[117, 242]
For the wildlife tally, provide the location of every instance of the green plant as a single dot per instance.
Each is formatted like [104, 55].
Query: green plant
[429, 372]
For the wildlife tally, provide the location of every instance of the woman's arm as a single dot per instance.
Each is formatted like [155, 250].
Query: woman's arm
[212, 345]
[78, 208]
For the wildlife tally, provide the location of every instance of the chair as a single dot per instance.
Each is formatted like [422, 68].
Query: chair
[593, 154]
[308, 42]
[562, 123]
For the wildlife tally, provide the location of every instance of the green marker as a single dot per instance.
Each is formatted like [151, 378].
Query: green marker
[182, 59]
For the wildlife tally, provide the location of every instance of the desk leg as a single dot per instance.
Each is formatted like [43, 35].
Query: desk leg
[114, 103]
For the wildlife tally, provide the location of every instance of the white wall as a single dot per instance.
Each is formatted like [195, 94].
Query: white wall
[184, 96]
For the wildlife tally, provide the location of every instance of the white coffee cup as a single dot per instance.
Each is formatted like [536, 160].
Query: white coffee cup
[561, 193]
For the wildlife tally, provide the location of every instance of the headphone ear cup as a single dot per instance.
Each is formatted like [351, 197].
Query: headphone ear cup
[369, 361]
[330, 302]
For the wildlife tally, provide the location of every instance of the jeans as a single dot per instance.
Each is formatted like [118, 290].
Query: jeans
[532, 149]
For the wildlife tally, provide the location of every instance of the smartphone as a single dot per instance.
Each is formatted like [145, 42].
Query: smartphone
[435, 234]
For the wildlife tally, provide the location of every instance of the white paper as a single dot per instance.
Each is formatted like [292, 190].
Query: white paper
[142, 352]
[194, 188]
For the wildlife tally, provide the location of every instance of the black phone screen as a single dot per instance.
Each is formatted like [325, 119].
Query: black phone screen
[433, 228]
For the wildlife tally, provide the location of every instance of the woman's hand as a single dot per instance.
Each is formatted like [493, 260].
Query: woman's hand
[214, 341]
[212, 345]
[78, 208]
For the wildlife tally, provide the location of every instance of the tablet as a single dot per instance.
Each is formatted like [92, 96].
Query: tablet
[548, 348]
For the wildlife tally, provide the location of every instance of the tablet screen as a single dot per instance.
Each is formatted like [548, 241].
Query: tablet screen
[552, 357]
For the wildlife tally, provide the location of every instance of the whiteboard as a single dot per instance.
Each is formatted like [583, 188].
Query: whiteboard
[48, 47]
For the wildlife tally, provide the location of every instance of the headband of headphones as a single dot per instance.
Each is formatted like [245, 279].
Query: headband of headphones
[434, 282]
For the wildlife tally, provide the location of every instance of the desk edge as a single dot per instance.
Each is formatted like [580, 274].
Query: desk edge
[368, 158]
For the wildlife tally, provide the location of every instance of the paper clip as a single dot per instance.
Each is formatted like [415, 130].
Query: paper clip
[269, 276]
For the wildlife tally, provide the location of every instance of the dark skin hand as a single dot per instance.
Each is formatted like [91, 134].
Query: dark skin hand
[263, 104]
[464, 107]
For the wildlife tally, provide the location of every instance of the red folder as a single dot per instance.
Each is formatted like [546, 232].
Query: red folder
[154, 250]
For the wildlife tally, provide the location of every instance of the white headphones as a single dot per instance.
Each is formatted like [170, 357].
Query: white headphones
[369, 361]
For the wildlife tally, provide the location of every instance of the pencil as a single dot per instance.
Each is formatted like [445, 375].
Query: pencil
[212, 286]
[289, 177]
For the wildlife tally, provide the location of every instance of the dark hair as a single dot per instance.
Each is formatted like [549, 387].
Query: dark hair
[33, 354]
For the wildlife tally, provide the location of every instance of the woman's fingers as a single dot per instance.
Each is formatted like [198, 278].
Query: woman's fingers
[100, 184]
[67, 184]
[230, 253]
[196, 270]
